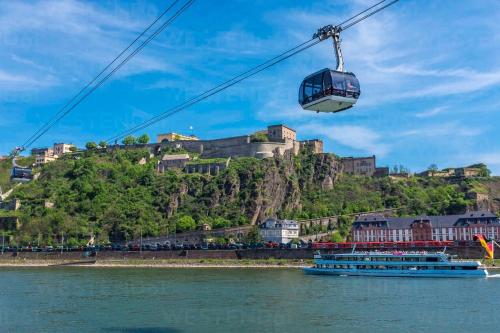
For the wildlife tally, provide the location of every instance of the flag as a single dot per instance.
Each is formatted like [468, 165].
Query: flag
[488, 246]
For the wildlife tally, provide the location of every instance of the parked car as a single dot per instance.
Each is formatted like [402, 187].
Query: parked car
[272, 245]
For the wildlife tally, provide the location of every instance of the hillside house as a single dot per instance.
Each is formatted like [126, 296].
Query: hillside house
[279, 231]
[177, 161]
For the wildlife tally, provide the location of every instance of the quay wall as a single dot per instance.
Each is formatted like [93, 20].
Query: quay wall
[475, 252]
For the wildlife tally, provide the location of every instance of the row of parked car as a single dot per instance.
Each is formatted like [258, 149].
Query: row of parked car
[210, 246]
[167, 246]
[55, 249]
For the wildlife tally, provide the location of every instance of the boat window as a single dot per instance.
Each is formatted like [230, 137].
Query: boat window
[432, 259]
[469, 268]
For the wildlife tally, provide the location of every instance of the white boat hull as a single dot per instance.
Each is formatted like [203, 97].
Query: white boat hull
[436, 273]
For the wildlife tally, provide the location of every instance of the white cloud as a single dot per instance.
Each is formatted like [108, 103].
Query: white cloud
[48, 41]
[356, 137]
[441, 130]
[432, 112]
[18, 82]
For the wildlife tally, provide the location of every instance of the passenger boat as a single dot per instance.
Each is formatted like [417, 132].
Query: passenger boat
[412, 264]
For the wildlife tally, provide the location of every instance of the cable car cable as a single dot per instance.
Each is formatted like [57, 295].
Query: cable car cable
[121, 64]
[253, 71]
[368, 15]
[360, 13]
[102, 72]
[180, 11]
[241, 77]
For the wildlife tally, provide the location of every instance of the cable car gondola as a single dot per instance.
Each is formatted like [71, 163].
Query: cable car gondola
[330, 90]
[19, 173]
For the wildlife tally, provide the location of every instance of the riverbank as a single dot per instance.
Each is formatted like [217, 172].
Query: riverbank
[173, 263]
[160, 263]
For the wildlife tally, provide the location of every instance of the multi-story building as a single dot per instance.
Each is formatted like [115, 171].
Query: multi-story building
[313, 145]
[378, 228]
[363, 166]
[62, 148]
[42, 151]
[46, 155]
[279, 231]
[169, 137]
[281, 133]
[43, 159]
[173, 161]
[43, 155]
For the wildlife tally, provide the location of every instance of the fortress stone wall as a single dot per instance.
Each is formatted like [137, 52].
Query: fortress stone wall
[240, 146]
[281, 140]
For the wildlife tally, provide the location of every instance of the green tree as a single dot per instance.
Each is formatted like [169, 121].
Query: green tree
[129, 140]
[103, 144]
[259, 137]
[220, 222]
[91, 145]
[185, 222]
[253, 235]
[73, 149]
[143, 139]
[336, 237]
[433, 168]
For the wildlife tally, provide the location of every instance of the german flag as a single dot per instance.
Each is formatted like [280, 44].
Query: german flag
[488, 246]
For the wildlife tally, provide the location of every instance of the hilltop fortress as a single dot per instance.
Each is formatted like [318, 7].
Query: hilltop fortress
[276, 139]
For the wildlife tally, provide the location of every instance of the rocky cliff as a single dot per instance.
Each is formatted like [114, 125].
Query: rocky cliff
[257, 188]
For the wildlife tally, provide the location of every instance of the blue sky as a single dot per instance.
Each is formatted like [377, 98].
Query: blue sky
[429, 74]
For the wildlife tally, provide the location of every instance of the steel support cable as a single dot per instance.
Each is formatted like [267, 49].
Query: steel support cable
[137, 50]
[223, 86]
[360, 13]
[243, 76]
[369, 14]
[102, 72]
[121, 64]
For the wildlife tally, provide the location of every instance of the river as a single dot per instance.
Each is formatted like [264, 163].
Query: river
[74, 299]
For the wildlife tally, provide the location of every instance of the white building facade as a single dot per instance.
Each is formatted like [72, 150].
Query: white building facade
[279, 231]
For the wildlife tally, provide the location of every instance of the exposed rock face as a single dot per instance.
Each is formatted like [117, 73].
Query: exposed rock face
[260, 189]
[327, 183]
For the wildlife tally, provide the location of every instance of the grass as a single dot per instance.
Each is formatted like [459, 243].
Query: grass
[207, 161]
[271, 262]
[5, 168]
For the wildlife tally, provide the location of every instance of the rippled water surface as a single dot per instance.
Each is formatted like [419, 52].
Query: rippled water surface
[75, 299]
